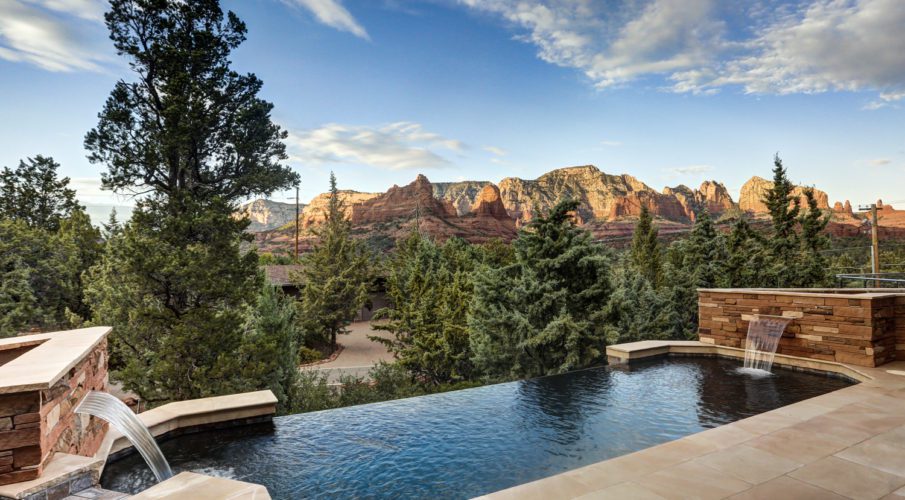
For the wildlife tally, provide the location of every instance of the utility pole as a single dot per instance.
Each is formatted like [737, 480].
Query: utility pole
[874, 241]
[296, 224]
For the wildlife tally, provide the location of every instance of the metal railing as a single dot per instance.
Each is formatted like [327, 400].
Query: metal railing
[871, 280]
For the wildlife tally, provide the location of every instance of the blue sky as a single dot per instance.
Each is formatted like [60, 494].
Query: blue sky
[670, 91]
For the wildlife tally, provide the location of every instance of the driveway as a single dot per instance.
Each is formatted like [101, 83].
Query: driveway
[359, 353]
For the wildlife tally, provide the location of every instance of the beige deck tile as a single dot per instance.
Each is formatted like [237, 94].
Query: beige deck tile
[610, 472]
[868, 418]
[878, 453]
[835, 429]
[622, 491]
[890, 404]
[786, 488]
[842, 397]
[848, 478]
[899, 494]
[796, 444]
[749, 464]
[557, 486]
[691, 480]
[191, 486]
[725, 436]
[766, 423]
[803, 410]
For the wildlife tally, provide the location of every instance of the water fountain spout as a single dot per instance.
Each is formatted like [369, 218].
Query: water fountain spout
[764, 333]
[114, 411]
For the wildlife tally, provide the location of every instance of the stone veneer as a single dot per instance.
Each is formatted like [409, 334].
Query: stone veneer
[37, 422]
[864, 327]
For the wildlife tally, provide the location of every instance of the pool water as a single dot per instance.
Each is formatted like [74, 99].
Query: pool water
[475, 441]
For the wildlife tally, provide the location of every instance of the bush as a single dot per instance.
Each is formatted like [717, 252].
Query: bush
[309, 355]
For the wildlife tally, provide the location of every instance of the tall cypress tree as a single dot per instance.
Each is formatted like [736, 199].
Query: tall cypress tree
[646, 254]
[746, 264]
[813, 266]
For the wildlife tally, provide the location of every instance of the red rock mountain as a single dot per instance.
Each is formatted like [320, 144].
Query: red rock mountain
[480, 211]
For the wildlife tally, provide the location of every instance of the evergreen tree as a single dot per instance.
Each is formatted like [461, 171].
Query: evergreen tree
[430, 287]
[746, 263]
[335, 277]
[813, 265]
[784, 208]
[33, 194]
[112, 228]
[636, 311]
[544, 313]
[645, 253]
[193, 135]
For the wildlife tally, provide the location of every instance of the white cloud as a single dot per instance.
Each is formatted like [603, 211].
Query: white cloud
[689, 170]
[333, 14]
[879, 162]
[50, 35]
[613, 46]
[396, 146]
[496, 151]
[807, 46]
[611, 144]
[848, 45]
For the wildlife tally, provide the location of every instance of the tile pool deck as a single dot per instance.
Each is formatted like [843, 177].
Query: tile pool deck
[848, 443]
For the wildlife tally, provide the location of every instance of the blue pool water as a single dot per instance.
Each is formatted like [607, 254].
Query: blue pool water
[466, 443]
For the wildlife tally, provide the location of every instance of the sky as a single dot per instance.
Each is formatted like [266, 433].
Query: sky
[377, 91]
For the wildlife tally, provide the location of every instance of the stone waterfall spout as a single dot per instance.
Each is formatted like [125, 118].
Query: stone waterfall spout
[114, 411]
[764, 333]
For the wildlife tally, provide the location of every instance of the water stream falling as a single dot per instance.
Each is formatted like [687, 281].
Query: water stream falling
[114, 411]
[764, 333]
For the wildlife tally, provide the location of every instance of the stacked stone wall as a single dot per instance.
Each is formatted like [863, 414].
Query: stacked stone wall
[35, 424]
[864, 331]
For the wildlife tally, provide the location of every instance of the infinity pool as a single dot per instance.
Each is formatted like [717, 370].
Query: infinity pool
[470, 442]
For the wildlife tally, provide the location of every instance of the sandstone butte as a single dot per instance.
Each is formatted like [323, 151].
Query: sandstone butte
[608, 204]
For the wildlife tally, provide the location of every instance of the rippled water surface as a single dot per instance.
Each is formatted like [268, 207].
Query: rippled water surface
[466, 443]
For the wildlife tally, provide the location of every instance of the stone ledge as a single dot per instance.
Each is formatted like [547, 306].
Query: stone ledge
[71, 473]
[826, 293]
[182, 415]
[646, 349]
[191, 486]
[52, 355]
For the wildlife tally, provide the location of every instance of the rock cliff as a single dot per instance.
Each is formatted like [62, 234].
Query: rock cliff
[753, 191]
[267, 214]
[314, 212]
[462, 195]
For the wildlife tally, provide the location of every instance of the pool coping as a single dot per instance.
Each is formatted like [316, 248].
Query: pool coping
[844, 444]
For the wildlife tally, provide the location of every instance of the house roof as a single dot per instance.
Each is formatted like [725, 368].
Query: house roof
[281, 275]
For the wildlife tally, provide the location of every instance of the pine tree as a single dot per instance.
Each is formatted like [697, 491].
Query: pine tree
[194, 136]
[812, 265]
[33, 194]
[645, 252]
[544, 313]
[746, 263]
[784, 208]
[636, 311]
[336, 276]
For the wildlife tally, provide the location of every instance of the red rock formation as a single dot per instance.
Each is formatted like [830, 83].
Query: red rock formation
[753, 192]
[402, 202]
[490, 203]
[314, 212]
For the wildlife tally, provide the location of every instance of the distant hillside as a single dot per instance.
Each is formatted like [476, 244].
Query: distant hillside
[266, 214]
[481, 210]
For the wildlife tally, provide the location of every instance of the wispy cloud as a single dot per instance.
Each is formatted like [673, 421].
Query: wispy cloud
[395, 146]
[495, 151]
[333, 14]
[55, 35]
[611, 144]
[808, 46]
[688, 170]
[879, 162]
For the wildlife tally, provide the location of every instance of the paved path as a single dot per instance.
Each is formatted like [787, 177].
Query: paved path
[359, 354]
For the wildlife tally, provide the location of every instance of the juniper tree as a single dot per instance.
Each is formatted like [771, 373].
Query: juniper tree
[34, 194]
[812, 265]
[746, 262]
[430, 288]
[645, 252]
[544, 313]
[336, 276]
[194, 137]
